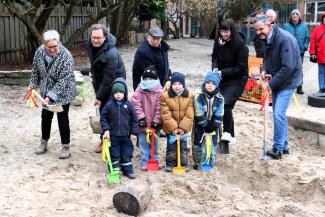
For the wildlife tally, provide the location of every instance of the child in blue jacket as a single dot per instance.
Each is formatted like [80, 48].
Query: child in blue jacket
[119, 122]
[208, 112]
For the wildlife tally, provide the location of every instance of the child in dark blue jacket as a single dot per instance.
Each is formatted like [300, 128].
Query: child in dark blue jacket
[119, 122]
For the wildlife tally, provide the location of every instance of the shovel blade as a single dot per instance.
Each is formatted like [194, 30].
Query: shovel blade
[113, 178]
[206, 167]
[223, 147]
[152, 166]
[179, 170]
[54, 108]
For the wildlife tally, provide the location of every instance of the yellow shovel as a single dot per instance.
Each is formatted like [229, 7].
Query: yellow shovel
[179, 169]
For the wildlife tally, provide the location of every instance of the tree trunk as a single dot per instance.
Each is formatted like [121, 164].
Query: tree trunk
[133, 199]
[121, 20]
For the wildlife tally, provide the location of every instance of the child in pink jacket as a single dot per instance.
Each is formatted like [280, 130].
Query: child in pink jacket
[146, 100]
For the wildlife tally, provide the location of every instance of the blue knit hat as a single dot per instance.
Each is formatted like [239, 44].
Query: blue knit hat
[178, 77]
[212, 76]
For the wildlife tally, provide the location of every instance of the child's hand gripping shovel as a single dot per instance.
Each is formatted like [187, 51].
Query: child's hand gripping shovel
[207, 165]
[113, 176]
[179, 169]
[52, 108]
[152, 165]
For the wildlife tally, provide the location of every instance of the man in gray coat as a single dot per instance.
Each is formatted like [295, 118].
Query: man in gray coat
[106, 65]
[282, 61]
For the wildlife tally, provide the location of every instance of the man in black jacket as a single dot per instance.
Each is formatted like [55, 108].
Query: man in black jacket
[106, 64]
[152, 51]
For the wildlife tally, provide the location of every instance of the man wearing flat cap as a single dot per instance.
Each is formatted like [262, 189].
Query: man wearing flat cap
[152, 51]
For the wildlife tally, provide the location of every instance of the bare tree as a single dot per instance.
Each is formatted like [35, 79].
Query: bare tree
[35, 14]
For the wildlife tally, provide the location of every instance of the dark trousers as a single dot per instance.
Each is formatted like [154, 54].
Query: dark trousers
[121, 151]
[302, 72]
[199, 150]
[231, 94]
[171, 153]
[63, 121]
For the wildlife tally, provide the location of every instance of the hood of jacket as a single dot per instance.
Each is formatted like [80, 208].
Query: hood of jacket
[121, 80]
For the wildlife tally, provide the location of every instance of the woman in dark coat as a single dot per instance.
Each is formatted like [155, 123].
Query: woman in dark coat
[230, 59]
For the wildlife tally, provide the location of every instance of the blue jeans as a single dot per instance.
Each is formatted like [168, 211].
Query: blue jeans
[145, 149]
[321, 75]
[280, 103]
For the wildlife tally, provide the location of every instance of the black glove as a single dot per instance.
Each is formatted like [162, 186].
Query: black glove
[209, 128]
[155, 125]
[143, 122]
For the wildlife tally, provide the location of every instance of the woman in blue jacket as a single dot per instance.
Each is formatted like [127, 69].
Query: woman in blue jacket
[300, 31]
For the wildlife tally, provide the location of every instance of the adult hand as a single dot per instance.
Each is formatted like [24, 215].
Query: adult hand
[313, 57]
[133, 138]
[106, 134]
[97, 103]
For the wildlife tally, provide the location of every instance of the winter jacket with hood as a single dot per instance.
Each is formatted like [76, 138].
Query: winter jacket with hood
[120, 120]
[106, 66]
[147, 55]
[177, 111]
[317, 33]
[147, 104]
[282, 60]
[300, 32]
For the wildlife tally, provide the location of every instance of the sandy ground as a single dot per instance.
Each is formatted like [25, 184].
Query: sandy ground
[240, 185]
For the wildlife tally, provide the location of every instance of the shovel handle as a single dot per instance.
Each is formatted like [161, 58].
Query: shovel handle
[39, 97]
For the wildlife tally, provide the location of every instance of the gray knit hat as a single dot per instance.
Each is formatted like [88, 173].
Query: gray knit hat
[295, 11]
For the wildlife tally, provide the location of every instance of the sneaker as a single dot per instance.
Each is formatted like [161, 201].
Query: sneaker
[285, 151]
[168, 169]
[65, 153]
[232, 141]
[144, 169]
[275, 155]
[196, 167]
[130, 175]
[99, 148]
[42, 148]
[226, 137]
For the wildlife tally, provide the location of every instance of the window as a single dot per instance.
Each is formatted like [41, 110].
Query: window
[314, 11]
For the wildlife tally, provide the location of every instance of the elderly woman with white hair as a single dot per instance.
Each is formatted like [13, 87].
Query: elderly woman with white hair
[52, 74]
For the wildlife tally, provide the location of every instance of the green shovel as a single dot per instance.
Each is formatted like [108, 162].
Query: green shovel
[113, 176]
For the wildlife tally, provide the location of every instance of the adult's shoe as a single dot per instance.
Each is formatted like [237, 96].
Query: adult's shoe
[274, 154]
[65, 153]
[42, 148]
[299, 90]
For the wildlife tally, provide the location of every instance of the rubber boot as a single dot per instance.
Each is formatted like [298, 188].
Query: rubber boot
[42, 148]
[65, 153]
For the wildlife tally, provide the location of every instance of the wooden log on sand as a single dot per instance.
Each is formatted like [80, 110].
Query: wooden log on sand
[133, 199]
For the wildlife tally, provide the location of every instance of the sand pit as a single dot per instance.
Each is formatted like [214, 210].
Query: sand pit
[240, 185]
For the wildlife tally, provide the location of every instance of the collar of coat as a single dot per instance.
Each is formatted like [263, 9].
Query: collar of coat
[171, 93]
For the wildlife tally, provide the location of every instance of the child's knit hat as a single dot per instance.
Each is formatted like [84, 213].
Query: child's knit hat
[150, 72]
[178, 77]
[212, 76]
[118, 87]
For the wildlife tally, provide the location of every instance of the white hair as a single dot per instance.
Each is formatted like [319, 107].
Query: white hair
[51, 35]
[271, 12]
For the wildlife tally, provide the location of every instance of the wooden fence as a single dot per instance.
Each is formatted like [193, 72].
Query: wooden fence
[13, 31]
